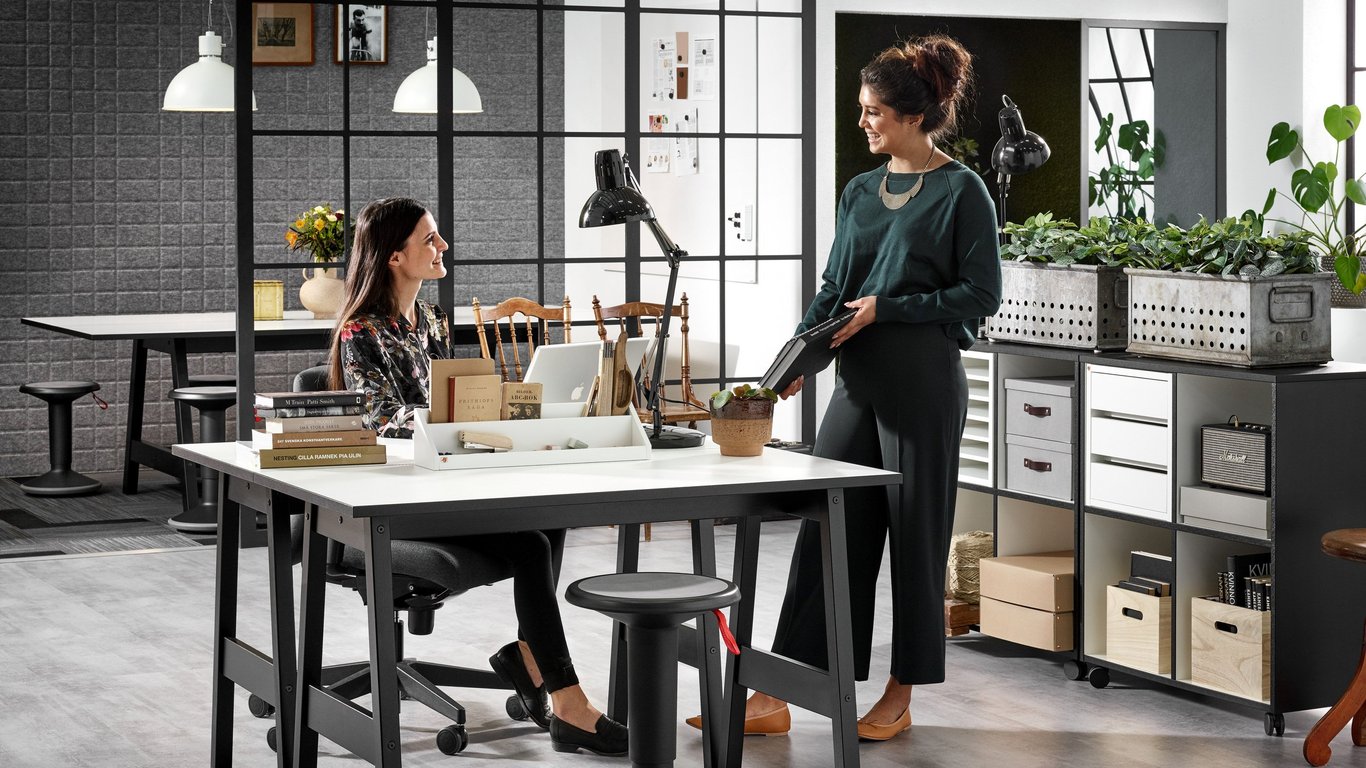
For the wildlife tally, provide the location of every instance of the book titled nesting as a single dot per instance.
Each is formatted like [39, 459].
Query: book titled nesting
[1149, 574]
[313, 429]
[1246, 581]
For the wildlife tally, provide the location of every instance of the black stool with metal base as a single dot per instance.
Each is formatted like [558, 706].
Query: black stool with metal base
[212, 403]
[652, 606]
[59, 480]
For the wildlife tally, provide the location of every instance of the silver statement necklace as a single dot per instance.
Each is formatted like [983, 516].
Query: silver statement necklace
[893, 202]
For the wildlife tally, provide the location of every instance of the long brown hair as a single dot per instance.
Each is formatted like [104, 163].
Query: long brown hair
[928, 76]
[382, 227]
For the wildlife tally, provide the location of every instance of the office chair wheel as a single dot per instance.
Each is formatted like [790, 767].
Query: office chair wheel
[1098, 677]
[259, 708]
[452, 739]
[272, 739]
[515, 709]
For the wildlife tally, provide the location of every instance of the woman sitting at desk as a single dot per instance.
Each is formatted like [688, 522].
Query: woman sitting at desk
[383, 346]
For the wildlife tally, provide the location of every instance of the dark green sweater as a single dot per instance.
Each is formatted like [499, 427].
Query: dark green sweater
[934, 260]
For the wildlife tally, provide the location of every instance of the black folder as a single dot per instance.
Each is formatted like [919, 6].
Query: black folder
[805, 354]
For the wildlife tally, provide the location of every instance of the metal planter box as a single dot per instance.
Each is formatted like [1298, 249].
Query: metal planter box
[1248, 322]
[1078, 306]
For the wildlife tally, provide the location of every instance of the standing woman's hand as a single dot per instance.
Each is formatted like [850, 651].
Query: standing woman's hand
[793, 388]
[867, 313]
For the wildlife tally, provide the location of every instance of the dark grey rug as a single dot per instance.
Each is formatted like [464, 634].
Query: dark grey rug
[108, 521]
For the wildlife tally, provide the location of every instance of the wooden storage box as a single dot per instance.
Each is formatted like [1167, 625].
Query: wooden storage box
[1138, 630]
[1231, 648]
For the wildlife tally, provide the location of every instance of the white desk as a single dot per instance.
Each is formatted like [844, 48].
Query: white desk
[358, 505]
[180, 334]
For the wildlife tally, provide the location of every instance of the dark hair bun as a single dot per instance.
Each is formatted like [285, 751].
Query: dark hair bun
[928, 76]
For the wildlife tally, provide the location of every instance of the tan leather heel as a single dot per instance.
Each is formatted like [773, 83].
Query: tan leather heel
[775, 723]
[876, 732]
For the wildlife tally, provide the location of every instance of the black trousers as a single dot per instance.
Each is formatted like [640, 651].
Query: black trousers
[900, 403]
[535, 557]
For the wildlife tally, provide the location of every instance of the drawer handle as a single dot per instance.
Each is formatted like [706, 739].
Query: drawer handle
[1224, 626]
[1038, 466]
[1132, 613]
[1038, 410]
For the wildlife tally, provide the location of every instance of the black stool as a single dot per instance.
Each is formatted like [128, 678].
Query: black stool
[60, 480]
[652, 606]
[212, 403]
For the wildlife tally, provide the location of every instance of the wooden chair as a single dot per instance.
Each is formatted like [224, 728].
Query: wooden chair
[535, 322]
[632, 318]
[1348, 544]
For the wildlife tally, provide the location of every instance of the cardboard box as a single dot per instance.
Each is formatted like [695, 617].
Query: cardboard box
[1045, 630]
[1042, 581]
[476, 398]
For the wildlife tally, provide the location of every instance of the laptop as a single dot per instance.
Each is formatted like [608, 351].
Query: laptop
[566, 371]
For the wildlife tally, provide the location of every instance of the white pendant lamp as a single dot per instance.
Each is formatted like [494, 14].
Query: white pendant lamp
[206, 85]
[417, 94]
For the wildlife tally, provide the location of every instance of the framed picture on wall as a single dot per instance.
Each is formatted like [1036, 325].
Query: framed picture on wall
[362, 33]
[282, 33]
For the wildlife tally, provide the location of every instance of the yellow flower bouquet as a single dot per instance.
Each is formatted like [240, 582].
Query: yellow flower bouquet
[320, 232]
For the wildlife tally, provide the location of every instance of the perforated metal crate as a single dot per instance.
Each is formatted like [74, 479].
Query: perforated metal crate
[1248, 322]
[1077, 306]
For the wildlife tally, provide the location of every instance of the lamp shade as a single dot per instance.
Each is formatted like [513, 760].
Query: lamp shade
[614, 202]
[206, 85]
[417, 93]
[1018, 150]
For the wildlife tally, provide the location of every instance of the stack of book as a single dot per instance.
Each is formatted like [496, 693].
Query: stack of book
[1149, 574]
[313, 429]
[1247, 581]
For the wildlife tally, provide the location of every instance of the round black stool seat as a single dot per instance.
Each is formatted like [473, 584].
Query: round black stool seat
[213, 380]
[212, 402]
[652, 606]
[59, 480]
[210, 398]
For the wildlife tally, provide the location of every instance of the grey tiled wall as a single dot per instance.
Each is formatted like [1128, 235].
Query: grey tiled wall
[109, 205]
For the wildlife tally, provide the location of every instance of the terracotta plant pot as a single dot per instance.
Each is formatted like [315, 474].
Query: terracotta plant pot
[741, 427]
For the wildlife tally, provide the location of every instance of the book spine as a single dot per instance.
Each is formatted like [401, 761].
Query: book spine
[321, 457]
[317, 439]
[315, 424]
[308, 410]
[308, 399]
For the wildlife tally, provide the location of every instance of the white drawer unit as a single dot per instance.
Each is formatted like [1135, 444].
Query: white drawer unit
[975, 456]
[1127, 422]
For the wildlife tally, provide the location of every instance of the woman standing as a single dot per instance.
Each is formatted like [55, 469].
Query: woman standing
[383, 346]
[915, 253]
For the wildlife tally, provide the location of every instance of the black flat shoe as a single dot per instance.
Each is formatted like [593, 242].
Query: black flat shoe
[610, 740]
[507, 664]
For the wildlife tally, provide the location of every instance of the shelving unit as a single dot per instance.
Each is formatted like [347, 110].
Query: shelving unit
[1139, 417]
[974, 458]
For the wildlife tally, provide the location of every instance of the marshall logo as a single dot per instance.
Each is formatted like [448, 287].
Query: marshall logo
[1233, 458]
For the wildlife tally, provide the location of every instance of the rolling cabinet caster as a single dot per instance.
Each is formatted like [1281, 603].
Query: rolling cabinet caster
[452, 739]
[1074, 670]
[1098, 677]
[258, 707]
[515, 709]
[1274, 723]
[272, 739]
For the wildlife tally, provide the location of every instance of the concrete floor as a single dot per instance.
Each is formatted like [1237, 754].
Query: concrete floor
[105, 661]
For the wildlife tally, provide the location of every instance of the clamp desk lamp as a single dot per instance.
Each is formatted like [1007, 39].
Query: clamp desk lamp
[618, 200]
[1017, 151]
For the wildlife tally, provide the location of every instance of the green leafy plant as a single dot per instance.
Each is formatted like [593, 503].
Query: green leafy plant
[1239, 247]
[1316, 191]
[741, 392]
[962, 149]
[1121, 187]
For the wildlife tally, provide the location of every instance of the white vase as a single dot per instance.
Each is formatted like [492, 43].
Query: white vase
[323, 293]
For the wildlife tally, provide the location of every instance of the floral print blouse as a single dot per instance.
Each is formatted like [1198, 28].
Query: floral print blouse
[389, 360]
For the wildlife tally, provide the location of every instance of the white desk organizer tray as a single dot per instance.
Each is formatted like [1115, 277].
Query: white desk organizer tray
[609, 438]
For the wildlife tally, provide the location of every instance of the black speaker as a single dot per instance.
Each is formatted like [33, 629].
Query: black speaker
[1236, 455]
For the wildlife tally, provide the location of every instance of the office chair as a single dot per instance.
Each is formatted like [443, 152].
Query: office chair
[426, 573]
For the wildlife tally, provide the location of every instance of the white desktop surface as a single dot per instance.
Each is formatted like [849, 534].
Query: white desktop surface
[367, 490]
[190, 324]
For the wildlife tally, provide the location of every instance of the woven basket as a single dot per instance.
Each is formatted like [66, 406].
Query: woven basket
[965, 550]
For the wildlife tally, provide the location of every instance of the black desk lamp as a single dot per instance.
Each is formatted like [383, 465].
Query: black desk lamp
[617, 201]
[1017, 151]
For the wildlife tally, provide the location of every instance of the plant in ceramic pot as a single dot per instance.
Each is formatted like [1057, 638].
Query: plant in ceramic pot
[323, 233]
[1321, 196]
[742, 419]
